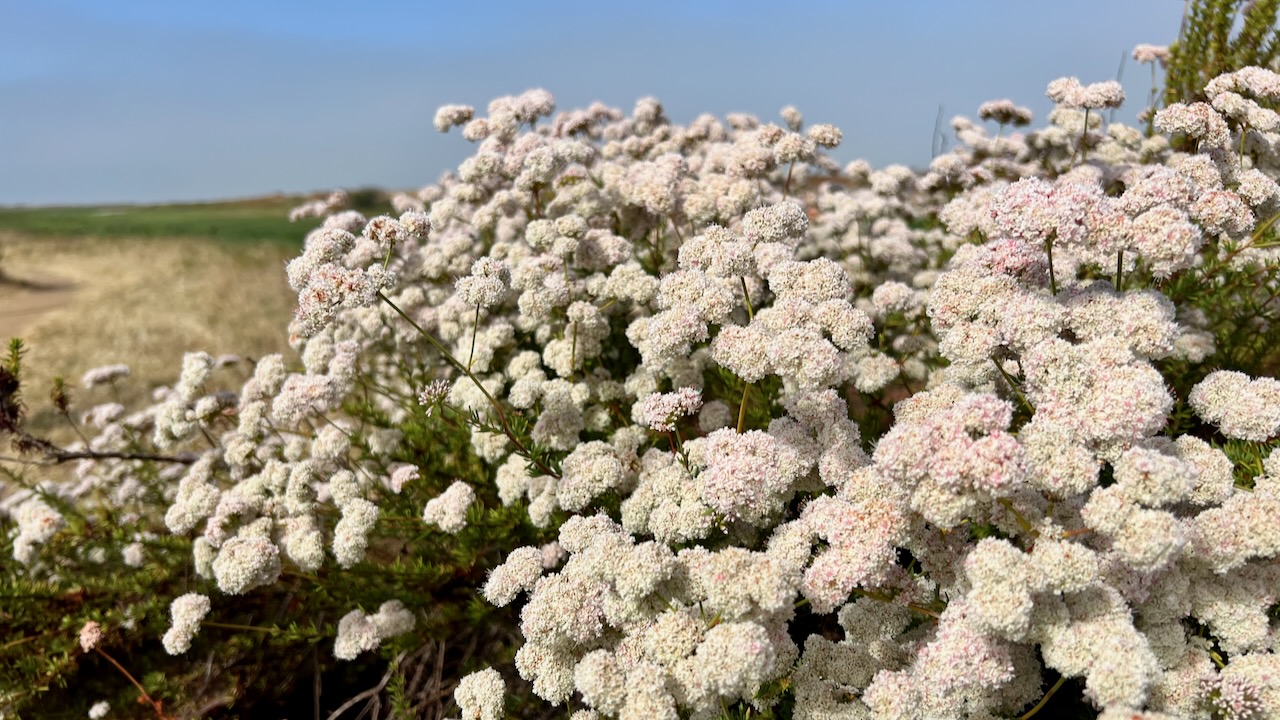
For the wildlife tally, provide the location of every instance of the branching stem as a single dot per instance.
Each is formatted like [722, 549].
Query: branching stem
[475, 330]
[1014, 385]
[493, 402]
[1053, 281]
[153, 703]
[250, 628]
[1044, 700]
[742, 404]
[1244, 132]
[1022, 520]
[1084, 137]
[573, 350]
[57, 456]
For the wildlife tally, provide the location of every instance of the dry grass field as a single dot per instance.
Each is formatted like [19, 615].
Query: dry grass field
[86, 300]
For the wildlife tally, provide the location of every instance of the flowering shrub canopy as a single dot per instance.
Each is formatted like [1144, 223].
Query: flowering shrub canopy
[883, 443]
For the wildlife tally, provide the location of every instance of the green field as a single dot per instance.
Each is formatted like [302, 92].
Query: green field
[264, 219]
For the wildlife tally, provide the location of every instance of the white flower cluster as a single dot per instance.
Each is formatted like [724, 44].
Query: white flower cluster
[688, 638]
[1146, 53]
[37, 523]
[244, 563]
[324, 281]
[186, 612]
[487, 284]
[358, 632]
[480, 694]
[1068, 92]
[332, 203]
[449, 510]
[1241, 407]
[659, 411]
[1005, 112]
[103, 375]
[90, 635]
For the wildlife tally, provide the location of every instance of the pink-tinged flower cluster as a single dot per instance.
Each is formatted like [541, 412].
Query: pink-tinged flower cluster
[325, 208]
[1005, 112]
[1145, 53]
[1068, 92]
[959, 457]
[748, 475]
[1198, 121]
[1241, 407]
[90, 635]
[861, 537]
[325, 285]
[660, 411]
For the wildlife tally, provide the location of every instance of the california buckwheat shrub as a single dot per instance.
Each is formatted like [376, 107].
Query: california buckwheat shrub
[724, 423]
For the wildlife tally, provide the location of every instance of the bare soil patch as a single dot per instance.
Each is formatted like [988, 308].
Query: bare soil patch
[23, 300]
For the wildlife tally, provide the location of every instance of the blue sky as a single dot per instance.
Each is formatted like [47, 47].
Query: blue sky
[148, 101]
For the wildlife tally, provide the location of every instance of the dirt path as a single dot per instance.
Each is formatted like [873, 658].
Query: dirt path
[25, 298]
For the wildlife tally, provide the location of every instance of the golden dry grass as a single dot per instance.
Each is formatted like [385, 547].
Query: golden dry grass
[142, 302]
